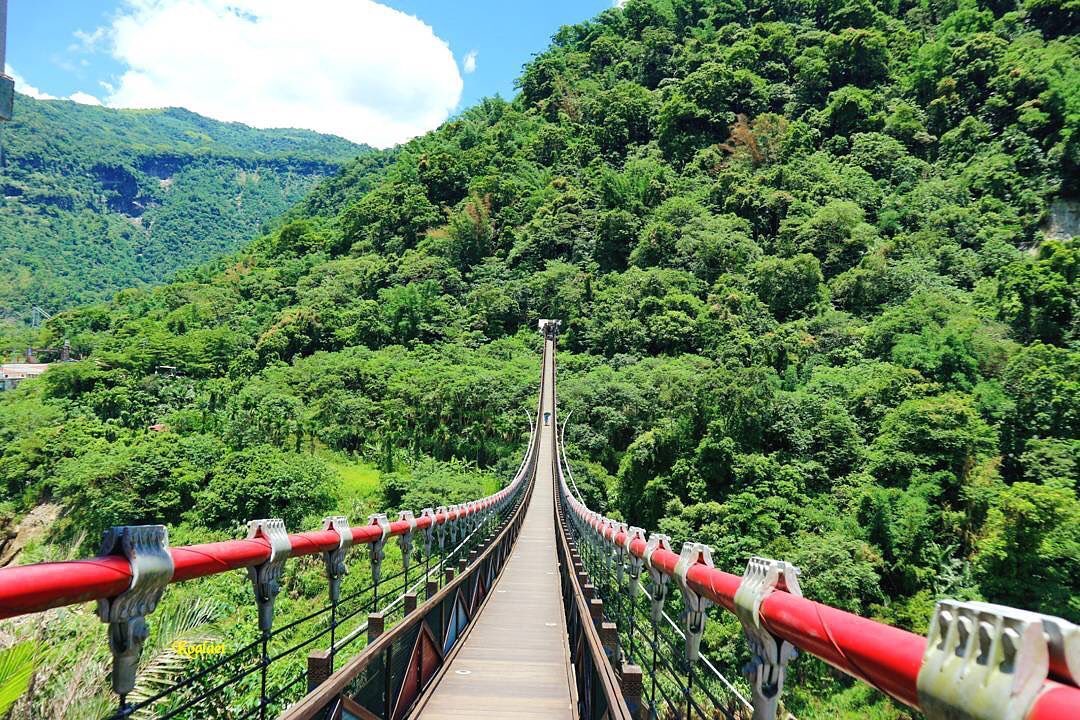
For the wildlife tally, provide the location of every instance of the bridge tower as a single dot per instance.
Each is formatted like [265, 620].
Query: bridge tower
[549, 328]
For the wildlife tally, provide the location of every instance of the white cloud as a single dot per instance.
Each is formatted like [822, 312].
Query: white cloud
[24, 87]
[83, 98]
[468, 66]
[357, 68]
[27, 89]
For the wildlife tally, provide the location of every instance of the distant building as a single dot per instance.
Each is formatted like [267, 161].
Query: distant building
[11, 374]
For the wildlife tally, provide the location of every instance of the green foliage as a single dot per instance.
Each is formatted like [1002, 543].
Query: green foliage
[810, 310]
[262, 481]
[1032, 533]
[16, 668]
[97, 200]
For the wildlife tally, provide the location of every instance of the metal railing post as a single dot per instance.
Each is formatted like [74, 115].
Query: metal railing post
[266, 582]
[146, 547]
[696, 609]
[405, 542]
[769, 655]
[378, 552]
[658, 587]
[334, 562]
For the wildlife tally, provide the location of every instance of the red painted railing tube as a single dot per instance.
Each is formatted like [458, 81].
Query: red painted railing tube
[884, 656]
[718, 586]
[32, 588]
[42, 586]
[1056, 702]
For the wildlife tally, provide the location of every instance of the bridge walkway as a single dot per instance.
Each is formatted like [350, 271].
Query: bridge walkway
[515, 660]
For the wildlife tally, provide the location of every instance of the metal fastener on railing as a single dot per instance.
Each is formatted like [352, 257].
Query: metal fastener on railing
[146, 547]
[770, 655]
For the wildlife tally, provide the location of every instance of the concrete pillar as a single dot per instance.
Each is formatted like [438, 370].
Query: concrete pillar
[596, 610]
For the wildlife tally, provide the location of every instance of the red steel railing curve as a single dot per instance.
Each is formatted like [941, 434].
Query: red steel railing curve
[882, 655]
[41, 586]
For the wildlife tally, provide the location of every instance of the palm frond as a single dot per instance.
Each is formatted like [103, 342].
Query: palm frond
[16, 669]
[162, 666]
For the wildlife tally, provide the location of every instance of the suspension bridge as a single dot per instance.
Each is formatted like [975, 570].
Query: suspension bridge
[528, 604]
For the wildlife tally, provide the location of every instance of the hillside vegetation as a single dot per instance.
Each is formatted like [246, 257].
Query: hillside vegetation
[809, 313]
[96, 200]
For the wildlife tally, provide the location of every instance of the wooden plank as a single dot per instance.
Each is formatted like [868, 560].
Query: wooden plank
[515, 661]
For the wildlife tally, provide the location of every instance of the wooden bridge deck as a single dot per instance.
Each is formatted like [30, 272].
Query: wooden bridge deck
[515, 661]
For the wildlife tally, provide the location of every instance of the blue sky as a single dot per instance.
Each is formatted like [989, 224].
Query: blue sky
[376, 72]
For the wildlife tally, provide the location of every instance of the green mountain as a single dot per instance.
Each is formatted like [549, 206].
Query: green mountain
[809, 313]
[96, 200]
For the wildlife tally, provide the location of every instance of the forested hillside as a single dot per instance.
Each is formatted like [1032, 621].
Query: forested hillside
[96, 200]
[809, 313]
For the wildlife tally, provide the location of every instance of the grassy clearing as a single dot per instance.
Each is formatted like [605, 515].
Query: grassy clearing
[359, 480]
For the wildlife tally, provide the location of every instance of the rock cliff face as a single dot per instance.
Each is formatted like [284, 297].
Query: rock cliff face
[93, 200]
[1064, 219]
[121, 189]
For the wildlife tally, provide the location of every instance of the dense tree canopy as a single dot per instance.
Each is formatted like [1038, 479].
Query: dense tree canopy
[810, 310]
[97, 199]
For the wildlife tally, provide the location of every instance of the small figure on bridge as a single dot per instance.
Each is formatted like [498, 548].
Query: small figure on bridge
[547, 416]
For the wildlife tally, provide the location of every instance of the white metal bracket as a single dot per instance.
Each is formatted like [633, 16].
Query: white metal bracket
[146, 548]
[455, 523]
[618, 551]
[405, 540]
[989, 662]
[696, 606]
[440, 529]
[334, 560]
[632, 534]
[659, 581]
[429, 531]
[769, 655]
[378, 548]
[266, 577]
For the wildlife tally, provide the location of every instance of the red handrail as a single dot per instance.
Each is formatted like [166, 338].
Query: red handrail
[41, 586]
[882, 655]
